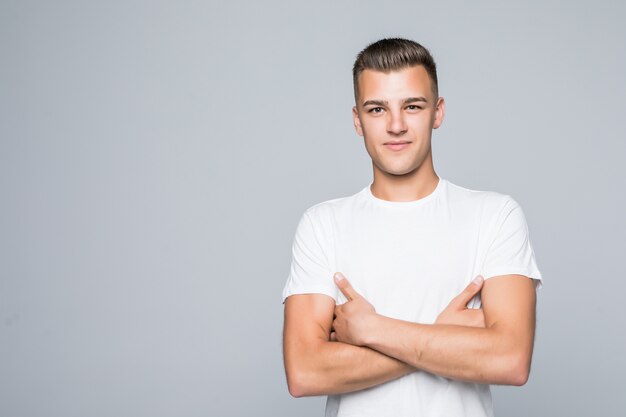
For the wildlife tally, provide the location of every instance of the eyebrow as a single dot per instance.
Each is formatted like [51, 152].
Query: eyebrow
[385, 102]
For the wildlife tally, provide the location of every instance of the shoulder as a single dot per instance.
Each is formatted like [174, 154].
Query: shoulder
[326, 211]
[490, 202]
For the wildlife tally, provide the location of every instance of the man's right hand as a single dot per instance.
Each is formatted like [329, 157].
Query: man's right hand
[457, 312]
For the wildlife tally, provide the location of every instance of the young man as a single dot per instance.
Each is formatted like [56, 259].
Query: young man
[376, 302]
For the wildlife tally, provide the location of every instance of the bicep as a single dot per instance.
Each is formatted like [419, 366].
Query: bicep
[508, 302]
[308, 318]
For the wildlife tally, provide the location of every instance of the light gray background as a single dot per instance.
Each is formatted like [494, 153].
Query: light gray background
[155, 158]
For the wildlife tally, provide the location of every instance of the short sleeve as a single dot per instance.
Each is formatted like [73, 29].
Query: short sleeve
[510, 251]
[310, 272]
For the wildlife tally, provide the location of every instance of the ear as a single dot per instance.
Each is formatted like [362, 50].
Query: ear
[357, 121]
[440, 112]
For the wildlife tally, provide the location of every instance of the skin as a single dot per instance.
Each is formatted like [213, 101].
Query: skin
[492, 345]
[317, 364]
[385, 113]
[498, 353]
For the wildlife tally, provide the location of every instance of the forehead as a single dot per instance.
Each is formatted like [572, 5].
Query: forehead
[407, 82]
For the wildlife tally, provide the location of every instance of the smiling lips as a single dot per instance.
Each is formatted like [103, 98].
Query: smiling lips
[397, 145]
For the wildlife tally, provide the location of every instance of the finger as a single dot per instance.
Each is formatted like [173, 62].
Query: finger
[333, 337]
[469, 292]
[345, 287]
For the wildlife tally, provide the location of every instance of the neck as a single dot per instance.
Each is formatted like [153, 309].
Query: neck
[408, 187]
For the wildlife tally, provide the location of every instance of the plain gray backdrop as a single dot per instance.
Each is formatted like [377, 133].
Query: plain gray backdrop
[155, 158]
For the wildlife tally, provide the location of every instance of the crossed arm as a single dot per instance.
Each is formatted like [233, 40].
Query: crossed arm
[368, 349]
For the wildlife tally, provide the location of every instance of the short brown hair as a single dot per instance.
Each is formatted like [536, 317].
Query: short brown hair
[393, 54]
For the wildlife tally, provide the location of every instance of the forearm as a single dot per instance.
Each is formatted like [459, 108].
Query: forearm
[328, 368]
[483, 355]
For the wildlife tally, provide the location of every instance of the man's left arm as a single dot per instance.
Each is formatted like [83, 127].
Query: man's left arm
[500, 353]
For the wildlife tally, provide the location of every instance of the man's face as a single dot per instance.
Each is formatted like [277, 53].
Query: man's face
[395, 114]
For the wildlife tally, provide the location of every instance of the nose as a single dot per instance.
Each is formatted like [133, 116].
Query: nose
[396, 124]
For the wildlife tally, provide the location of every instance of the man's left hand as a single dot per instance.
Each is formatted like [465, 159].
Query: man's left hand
[353, 319]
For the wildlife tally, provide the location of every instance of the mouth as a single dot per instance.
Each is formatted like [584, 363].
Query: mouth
[397, 145]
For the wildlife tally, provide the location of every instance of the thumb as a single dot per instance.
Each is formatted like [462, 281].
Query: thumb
[469, 292]
[345, 287]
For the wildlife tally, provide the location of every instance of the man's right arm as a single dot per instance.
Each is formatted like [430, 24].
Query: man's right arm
[317, 366]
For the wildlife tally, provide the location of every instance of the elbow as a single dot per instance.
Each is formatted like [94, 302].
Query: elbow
[294, 385]
[520, 375]
[304, 376]
[296, 391]
[299, 385]
[517, 377]
[516, 371]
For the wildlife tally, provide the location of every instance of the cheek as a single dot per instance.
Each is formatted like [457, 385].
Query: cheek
[425, 121]
[372, 133]
[373, 125]
[371, 149]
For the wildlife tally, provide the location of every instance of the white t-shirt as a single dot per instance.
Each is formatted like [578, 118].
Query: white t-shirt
[409, 259]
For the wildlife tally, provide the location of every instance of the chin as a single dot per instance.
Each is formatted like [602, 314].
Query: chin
[399, 171]
[397, 167]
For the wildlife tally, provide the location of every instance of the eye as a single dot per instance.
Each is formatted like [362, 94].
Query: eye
[375, 110]
[413, 107]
